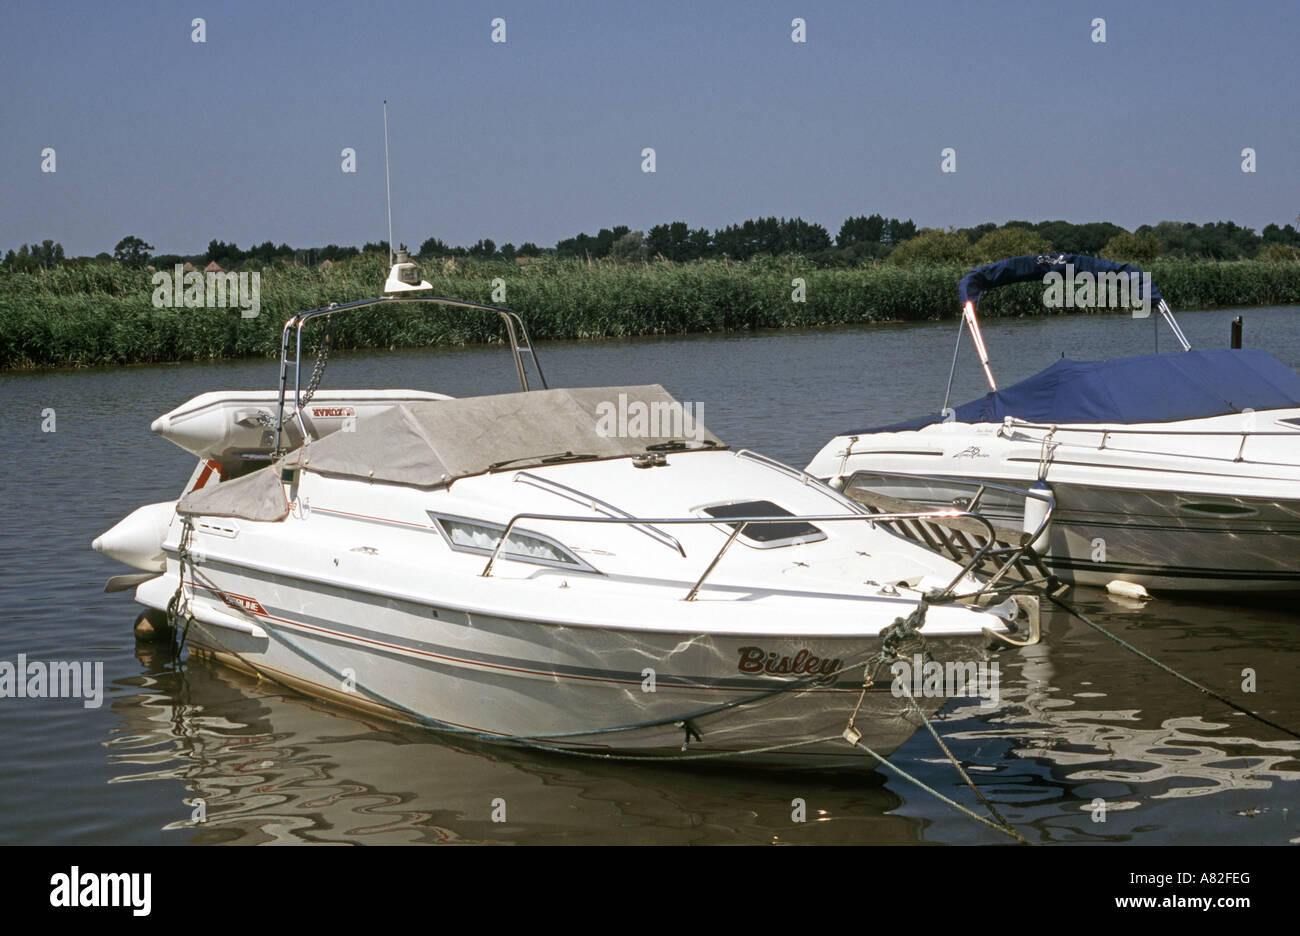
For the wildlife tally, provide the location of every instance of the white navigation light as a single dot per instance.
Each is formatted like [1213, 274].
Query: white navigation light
[405, 276]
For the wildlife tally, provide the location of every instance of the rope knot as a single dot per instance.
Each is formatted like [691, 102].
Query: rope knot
[903, 629]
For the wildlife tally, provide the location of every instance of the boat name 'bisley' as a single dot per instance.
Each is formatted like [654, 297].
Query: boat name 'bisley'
[803, 663]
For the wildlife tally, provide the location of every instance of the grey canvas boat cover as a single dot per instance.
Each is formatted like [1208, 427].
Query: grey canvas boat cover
[430, 444]
[435, 443]
[255, 496]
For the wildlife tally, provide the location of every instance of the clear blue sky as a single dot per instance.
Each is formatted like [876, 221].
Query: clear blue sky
[541, 137]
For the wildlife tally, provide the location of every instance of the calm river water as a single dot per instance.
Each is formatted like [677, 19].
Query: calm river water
[1080, 718]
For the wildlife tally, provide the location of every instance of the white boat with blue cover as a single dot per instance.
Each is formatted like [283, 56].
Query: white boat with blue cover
[1175, 471]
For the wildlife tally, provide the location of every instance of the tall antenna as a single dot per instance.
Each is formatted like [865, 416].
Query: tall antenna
[388, 184]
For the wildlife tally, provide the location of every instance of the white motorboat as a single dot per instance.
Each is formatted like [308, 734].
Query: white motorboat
[521, 567]
[1176, 471]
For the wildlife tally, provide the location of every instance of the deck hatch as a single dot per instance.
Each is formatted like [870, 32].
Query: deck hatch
[767, 535]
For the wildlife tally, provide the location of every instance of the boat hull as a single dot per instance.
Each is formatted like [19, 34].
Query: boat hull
[592, 690]
[1163, 540]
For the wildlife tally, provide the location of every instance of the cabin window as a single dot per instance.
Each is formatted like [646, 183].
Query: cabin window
[767, 535]
[480, 537]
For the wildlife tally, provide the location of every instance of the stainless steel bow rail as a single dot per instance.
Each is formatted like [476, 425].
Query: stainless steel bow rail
[293, 330]
[1004, 553]
[739, 524]
[1012, 423]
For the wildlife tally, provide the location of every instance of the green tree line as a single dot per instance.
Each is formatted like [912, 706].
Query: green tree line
[861, 239]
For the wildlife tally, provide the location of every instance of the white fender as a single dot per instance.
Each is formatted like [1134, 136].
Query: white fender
[1035, 512]
[1131, 590]
[137, 538]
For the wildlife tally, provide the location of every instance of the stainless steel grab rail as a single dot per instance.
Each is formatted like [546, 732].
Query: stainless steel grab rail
[1106, 432]
[799, 474]
[595, 503]
[1071, 427]
[740, 523]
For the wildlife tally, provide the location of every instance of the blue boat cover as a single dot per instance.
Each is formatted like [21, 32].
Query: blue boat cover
[1035, 267]
[1148, 388]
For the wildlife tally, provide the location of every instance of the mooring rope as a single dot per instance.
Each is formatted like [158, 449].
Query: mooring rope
[1170, 670]
[892, 639]
[961, 770]
[1004, 829]
[174, 605]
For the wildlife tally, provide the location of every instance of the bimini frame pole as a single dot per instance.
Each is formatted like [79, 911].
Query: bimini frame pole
[1168, 314]
[969, 314]
[953, 369]
[292, 338]
[968, 318]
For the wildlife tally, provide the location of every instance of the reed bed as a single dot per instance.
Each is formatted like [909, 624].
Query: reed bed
[103, 314]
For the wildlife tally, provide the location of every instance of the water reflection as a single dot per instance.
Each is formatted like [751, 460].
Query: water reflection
[1070, 730]
[1080, 719]
[276, 767]
[1089, 724]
